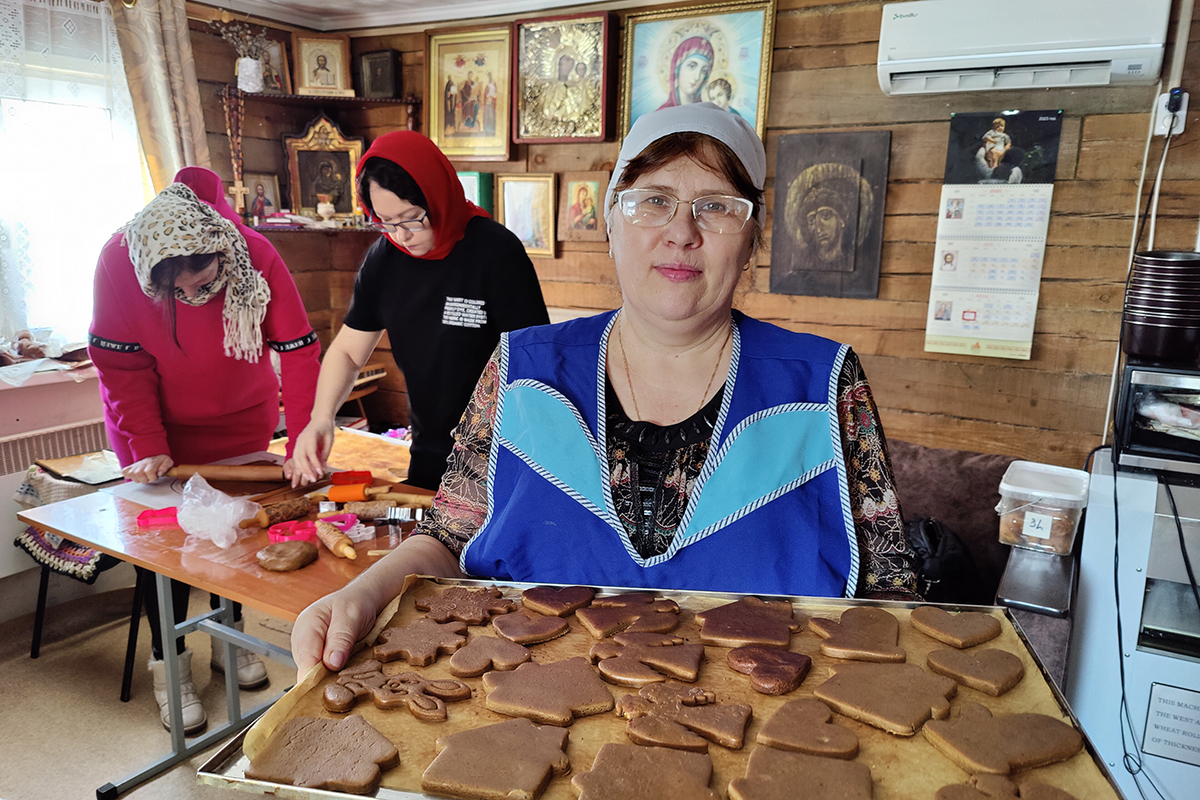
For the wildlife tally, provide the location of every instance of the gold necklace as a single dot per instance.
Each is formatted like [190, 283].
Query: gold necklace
[629, 380]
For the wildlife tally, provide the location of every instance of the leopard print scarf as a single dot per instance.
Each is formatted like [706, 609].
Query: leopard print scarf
[176, 223]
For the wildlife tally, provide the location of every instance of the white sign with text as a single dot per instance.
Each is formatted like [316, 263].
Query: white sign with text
[1173, 724]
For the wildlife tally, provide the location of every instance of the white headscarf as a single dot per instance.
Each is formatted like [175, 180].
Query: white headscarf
[178, 223]
[707, 118]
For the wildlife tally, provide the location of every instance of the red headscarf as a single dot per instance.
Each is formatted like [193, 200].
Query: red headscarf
[449, 210]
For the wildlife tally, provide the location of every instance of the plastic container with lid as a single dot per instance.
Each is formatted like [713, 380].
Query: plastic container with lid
[1040, 506]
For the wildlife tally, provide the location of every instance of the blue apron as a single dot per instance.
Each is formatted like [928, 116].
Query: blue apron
[768, 514]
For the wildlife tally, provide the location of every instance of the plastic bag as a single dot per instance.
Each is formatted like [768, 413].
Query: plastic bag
[209, 513]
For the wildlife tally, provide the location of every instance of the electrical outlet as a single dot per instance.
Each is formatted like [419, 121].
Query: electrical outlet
[1162, 119]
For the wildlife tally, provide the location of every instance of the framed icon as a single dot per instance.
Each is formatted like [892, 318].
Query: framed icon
[525, 205]
[561, 78]
[469, 94]
[581, 196]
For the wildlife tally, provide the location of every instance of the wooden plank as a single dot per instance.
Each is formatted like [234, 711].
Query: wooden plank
[314, 289]
[825, 26]
[794, 58]
[214, 57]
[573, 157]
[577, 267]
[341, 288]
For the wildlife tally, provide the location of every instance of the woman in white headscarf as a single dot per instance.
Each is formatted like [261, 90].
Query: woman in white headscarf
[673, 443]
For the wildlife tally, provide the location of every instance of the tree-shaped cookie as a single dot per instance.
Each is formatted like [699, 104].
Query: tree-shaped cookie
[803, 725]
[965, 629]
[629, 772]
[633, 612]
[769, 623]
[420, 642]
[988, 670]
[636, 659]
[557, 602]
[897, 698]
[472, 606]
[778, 775]
[344, 755]
[553, 693]
[487, 652]
[514, 759]
[979, 742]
[682, 717]
[864, 633]
[771, 670]
[425, 698]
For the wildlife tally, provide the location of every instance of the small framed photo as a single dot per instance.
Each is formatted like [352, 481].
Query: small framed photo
[378, 73]
[580, 199]
[477, 186]
[263, 198]
[277, 78]
[561, 78]
[525, 205]
[321, 166]
[322, 64]
[468, 92]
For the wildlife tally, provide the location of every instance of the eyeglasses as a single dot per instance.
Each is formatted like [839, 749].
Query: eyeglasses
[718, 213]
[411, 225]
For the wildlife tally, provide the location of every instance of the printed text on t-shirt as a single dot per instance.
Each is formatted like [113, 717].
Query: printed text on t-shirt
[464, 312]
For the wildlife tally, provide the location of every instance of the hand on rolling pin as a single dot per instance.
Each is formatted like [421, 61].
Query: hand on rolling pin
[148, 469]
[312, 448]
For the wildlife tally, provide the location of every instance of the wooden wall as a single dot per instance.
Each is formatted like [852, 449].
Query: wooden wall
[1050, 408]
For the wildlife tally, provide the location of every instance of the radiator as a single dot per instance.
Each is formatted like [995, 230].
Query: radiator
[18, 452]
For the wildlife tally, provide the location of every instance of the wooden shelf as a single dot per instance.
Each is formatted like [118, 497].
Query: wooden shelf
[314, 99]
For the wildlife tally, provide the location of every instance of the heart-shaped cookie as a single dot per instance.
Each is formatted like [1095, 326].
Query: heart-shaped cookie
[965, 629]
[526, 627]
[804, 726]
[771, 670]
[990, 670]
[557, 602]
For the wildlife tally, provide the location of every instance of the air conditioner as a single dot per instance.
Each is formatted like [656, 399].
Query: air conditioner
[969, 45]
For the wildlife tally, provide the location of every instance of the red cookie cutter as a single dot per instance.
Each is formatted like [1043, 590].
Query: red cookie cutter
[292, 530]
[158, 516]
[350, 478]
[342, 522]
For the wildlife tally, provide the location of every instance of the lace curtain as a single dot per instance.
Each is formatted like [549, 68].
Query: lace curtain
[69, 154]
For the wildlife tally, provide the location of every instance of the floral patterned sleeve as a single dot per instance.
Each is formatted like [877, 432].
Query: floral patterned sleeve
[886, 562]
[461, 501]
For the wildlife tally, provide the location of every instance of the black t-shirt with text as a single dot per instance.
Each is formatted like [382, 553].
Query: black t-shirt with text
[444, 318]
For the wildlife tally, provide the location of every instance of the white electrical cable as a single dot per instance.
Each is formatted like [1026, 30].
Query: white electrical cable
[1162, 163]
[1183, 32]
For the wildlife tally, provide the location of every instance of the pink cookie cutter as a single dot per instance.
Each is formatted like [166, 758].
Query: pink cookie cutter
[158, 516]
[342, 522]
[292, 530]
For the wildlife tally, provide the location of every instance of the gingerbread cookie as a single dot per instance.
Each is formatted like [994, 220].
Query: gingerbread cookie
[771, 670]
[345, 755]
[629, 772]
[979, 742]
[996, 787]
[557, 602]
[487, 652]
[420, 642]
[553, 693]
[897, 698]
[286, 556]
[779, 775]
[804, 726]
[990, 670]
[864, 633]
[526, 627]
[472, 606]
[636, 659]
[965, 629]
[682, 717]
[424, 698]
[769, 623]
[511, 760]
[634, 612]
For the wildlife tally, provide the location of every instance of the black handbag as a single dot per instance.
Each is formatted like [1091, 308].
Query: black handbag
[946, 573]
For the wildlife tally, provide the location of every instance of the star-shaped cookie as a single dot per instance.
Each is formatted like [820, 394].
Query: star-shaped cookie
[420, 642]
[472, 606]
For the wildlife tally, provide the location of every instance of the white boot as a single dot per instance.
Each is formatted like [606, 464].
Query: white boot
[194, 717]
[252, 672]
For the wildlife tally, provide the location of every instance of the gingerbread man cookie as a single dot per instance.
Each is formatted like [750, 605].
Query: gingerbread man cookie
[629, 772]
[779, 775]
[979, 742]
[682, 717]
[554, 693]
[965, 629]
[472, 606]
[804, 726]
[514, 759]
[420, 642]
[345, 755]
[526, 627]
[634, 612]
[989, 670]
[487, 652]
[636, 659]
[747, 621]
[771, 670]
[864, 633]
[424, 698]
[557, 602]
[897, 698]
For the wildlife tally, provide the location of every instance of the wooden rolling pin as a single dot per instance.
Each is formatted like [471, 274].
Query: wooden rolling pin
[278, 512]
[375, 509]
[338, 543]
[407, 499]
[229, 472]
[360, 492]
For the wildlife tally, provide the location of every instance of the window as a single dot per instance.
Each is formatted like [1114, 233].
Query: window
[69, 156]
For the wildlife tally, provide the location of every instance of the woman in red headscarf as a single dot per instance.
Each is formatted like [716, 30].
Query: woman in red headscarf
[445, 280]
[690, 67]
